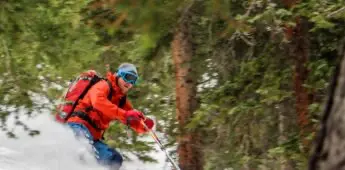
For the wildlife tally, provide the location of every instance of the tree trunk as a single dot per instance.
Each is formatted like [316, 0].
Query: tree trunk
[189, 151]
[329, 149]
[300, 54]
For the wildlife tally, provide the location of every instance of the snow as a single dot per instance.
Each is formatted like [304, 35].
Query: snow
[56, 148]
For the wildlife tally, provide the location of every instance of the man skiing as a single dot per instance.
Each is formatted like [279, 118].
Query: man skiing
[94, 112]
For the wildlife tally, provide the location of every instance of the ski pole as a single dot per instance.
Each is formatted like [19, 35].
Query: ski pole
[155, 137]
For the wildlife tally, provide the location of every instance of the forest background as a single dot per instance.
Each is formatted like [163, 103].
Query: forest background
[232, 84]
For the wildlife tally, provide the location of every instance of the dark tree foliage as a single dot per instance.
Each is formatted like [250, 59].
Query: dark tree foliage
[261, 69]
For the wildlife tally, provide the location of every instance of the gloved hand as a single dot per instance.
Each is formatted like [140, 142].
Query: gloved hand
[149, 123]
[134, 118]
[134, 115]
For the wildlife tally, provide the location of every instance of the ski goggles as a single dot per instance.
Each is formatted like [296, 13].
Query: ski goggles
[128, 77]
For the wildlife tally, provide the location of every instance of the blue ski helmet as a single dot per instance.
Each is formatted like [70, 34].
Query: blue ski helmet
[128, 73]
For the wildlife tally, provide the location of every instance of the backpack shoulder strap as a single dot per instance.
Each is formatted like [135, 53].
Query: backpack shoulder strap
[110, 95]
[122, 101]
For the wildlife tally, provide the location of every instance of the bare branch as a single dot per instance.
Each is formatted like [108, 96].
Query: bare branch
[336, 12]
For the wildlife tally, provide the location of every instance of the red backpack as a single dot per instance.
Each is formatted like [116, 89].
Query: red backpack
[76, 91]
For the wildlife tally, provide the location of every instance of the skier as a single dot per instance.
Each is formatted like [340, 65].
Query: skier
[94, 112]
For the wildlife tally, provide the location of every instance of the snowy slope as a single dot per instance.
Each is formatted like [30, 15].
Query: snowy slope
[57, 149]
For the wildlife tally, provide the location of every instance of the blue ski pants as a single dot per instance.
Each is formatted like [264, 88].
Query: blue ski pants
[103, 153]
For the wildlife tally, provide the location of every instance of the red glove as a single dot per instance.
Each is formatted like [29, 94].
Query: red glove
[149, 123]
[134, 115]
[134, 118]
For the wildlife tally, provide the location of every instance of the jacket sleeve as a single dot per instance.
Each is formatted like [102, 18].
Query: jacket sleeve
[98, 96]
